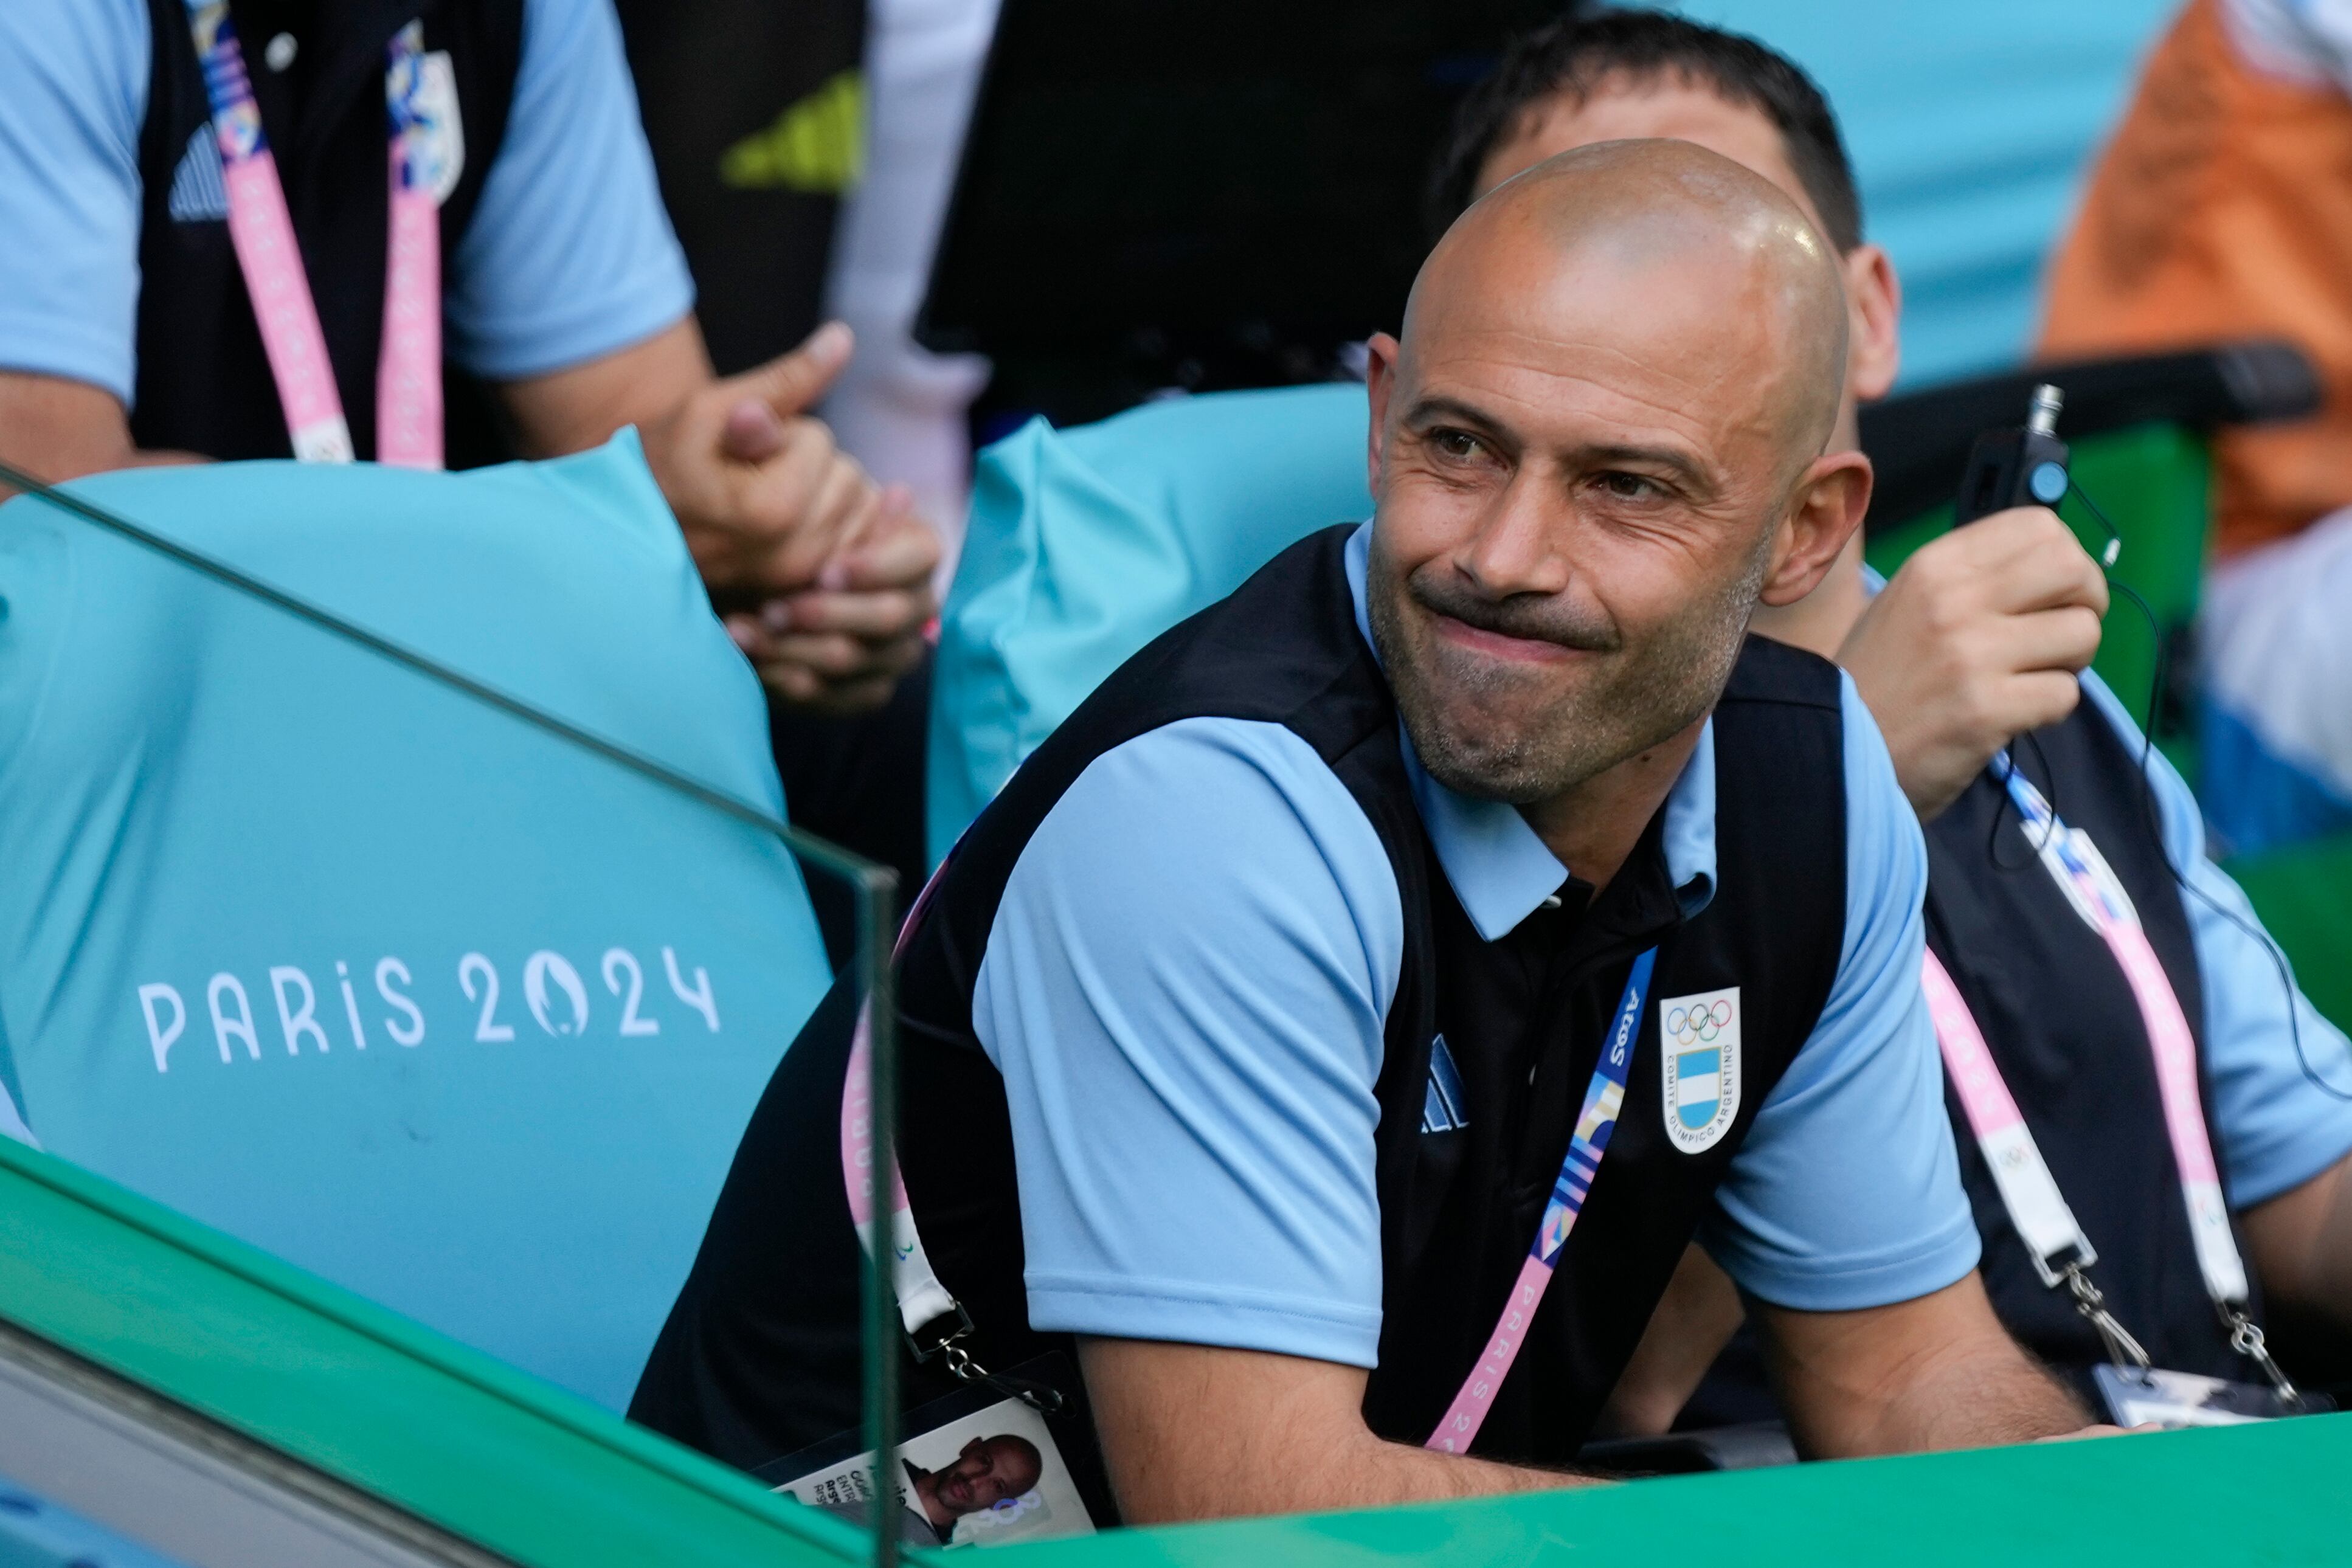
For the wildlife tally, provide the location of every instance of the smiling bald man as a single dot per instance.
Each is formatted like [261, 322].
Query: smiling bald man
[1336, 1031]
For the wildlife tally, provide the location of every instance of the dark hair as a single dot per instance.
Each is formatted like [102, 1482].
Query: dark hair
[1572, 57]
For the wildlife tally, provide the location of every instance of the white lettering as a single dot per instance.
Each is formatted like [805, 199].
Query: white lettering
[414, 1033]
[351, 1004]
[240, 1026]
[295, 1025]
[537, 970]
[699, 999]
[621, 958]
[160, 1036]
[469, 966]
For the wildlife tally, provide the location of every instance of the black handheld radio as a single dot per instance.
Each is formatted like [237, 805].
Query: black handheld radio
[2026, 467]
[2021, 467]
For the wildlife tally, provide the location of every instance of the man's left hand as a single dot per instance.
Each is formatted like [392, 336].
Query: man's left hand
[841, 645]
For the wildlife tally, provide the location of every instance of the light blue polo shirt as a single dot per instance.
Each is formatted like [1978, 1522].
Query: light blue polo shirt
[569, 255]
[1185, 990]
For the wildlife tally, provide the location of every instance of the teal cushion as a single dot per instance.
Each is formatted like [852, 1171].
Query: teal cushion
[357, 969]
[1085, 544]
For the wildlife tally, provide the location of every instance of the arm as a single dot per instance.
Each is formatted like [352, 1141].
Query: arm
[2302, 1246]
[1199, 1432]
[1185, 990]
[1978, 639]
[1937, 1372]
[73, 83]
[1696, 1318]
[56, 429]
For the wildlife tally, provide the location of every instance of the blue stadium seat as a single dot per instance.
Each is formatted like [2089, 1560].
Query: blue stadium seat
[1085, 544]
[355, 969]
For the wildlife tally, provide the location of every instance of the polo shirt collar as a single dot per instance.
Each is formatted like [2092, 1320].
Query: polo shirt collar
[1500, 870]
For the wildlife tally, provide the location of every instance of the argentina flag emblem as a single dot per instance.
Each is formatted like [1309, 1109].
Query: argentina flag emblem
[1699, 1066]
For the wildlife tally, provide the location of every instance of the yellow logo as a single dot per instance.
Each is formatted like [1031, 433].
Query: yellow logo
[817, 147]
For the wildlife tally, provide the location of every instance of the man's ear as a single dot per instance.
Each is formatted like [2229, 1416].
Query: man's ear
[1875, 336]
[1380, 381]
[1822, 516]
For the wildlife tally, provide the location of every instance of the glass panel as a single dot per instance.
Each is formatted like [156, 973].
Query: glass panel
[412, 903]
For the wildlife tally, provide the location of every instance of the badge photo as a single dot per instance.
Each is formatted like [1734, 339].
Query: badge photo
[1699, 1066]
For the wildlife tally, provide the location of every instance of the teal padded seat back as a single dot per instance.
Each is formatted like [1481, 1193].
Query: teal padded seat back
[1085, 544]
[432, 1004]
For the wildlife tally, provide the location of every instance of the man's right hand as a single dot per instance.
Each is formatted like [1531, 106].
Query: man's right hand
[1978, 638]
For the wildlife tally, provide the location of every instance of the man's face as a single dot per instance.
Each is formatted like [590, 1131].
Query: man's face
[1579, 471]
[988, 1471]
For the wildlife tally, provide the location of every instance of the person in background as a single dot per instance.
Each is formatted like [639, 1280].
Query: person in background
[754, 114]
[900, 408]
[802, 184]
[149, 145]
[2222, 210]
[1979, 639]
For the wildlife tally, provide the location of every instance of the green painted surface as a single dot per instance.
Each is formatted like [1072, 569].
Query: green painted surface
[452, 1436]
[553, 1482]
[2303, 894]
[2152, 484]
[2271, 1495]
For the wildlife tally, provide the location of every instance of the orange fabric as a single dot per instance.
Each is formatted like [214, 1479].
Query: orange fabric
[2224, 209]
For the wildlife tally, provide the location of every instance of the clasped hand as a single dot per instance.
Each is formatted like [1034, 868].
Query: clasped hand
[823, 577]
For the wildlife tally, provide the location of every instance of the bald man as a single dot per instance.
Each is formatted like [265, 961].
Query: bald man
[1335, 1031]
[1978, 641]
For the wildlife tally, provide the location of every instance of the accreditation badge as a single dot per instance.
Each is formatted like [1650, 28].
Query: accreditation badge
[978, 1467]
[1699, 1071]
[2154, 1397]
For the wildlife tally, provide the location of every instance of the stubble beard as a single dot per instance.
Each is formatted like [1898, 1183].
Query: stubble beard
[1642, 696]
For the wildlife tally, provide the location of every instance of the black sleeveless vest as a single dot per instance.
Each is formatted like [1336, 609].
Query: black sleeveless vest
[2060, 1021]
[760, 1355]
[203, 383]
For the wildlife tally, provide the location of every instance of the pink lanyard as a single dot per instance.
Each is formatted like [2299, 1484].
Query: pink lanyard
[1604, 1098]
[408, 373]
[2027, 1191]
[923, 1300]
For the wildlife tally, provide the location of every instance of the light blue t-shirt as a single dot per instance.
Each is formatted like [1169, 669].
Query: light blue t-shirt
[569, 256]
[1198, 948]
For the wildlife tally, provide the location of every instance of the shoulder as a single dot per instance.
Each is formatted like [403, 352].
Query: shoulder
[83, 64]
[103, 39]
[1214, 867]
[1236, 822]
